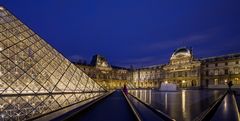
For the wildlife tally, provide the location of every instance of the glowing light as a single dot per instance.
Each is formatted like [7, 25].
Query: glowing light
[183, 81]
[1, 8]
[225, 81]
[2, 115]
[166, 82]
[1, 48]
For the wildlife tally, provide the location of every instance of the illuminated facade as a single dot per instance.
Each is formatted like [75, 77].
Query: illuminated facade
[188, 72]
[217, 71]
[148, 77]
[34, 78]
[183, 69]
[110, 77]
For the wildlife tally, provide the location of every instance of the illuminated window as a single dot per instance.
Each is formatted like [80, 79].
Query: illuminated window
[236, 70]
[215, 81]
[237, 81]
[215, 72]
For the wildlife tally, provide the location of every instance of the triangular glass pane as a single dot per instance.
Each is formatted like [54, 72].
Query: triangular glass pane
[2, 28]
[2, 46]
[9, 90]
[8, 78]
[3, 86]
[8, 53]
[18, 86]
[34, 86]
[8, 65]
[17, 72]
[14, 40]
[7, 34]
[60, 87]
[22, 55]
[2, 71]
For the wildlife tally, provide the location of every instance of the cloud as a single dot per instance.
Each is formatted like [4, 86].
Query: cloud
[222, 47]
[139, 62]
[75, 58]
[186, 41]
[189, 40]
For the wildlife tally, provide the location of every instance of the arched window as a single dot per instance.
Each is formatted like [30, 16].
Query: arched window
[215, 81]
[216, 72]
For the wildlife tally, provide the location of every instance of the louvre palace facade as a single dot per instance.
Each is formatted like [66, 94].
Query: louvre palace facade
[110, 77]
[183, 69]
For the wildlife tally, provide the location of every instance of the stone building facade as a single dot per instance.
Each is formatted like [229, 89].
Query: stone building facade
[148, 77]
[110, 77]
[217, 71]
[183, 69]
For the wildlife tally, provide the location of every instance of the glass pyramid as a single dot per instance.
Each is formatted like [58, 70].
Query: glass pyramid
[34, 78]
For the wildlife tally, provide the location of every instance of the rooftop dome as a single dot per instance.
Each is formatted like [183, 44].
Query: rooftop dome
[181, 52]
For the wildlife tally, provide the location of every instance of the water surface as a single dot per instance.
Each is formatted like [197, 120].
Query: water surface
[184, 105]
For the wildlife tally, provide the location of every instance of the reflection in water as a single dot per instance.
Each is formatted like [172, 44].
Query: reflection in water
[22, 107]
[166, 100]
[184, 105]
[225, 106]
[150, 97]
[145, 95]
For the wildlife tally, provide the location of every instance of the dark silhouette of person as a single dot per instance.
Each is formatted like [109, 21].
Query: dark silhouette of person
[125, 90]
[230, 84]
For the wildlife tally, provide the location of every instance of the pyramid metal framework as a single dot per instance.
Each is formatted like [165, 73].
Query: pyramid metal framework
[34, 78]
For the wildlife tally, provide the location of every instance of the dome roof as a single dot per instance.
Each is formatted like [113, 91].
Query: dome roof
[181, 52]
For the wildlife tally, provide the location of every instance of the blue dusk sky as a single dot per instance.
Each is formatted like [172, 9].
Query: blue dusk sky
[133, 32]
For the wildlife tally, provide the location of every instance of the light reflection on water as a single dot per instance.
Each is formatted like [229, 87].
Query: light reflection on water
[184, 105]
[22, 107]
[166, 100]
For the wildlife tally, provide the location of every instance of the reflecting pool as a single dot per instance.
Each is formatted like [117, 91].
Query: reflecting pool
[184, 105]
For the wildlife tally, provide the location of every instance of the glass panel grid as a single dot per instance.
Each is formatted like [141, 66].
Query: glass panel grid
[34, 78]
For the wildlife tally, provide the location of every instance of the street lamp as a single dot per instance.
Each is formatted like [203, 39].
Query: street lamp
[225, 81]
